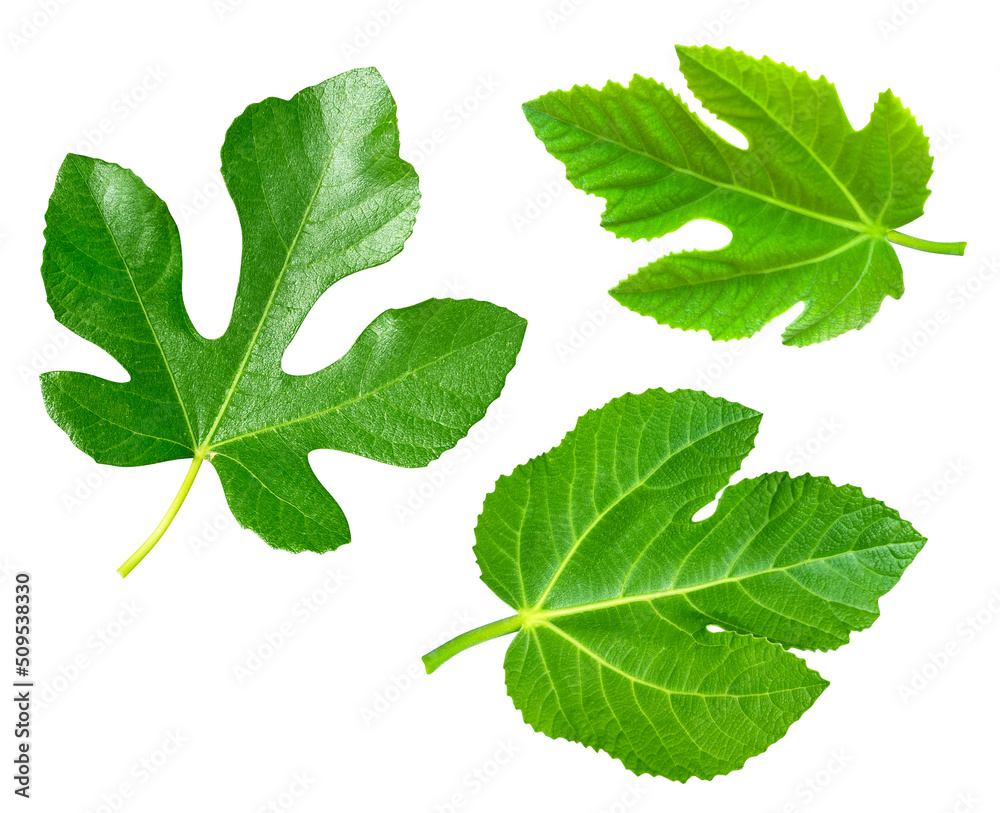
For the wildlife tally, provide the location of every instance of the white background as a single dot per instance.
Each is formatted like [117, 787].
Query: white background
[496, 223]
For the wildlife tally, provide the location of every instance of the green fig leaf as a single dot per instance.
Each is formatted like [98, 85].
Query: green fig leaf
[813, 204]
[659, 639]
[321, 193]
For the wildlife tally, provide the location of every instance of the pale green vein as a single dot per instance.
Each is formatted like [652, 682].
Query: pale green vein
[543, 615]
[277, 284]
[640, 681]
[807, 147]
[360, 397]
[853, 225]
[614, 503]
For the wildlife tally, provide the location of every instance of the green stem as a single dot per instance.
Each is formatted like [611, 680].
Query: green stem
[957, 249]
[160, 529]
[505, 626]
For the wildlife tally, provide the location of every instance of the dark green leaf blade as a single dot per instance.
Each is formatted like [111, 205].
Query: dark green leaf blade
[112, 272]
[812, 204]
[403, 394]
[321, 193]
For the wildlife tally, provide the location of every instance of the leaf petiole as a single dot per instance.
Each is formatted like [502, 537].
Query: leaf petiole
[160, 529]
[505, 626]
[956, 249]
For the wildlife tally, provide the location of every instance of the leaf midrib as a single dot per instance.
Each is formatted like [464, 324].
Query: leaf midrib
[808, 148]
[357, 398]
[206, 445]
[617, 501]
[142, 305]
[740, 190]
[841, 249]
[542, 616]
[634, 679]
